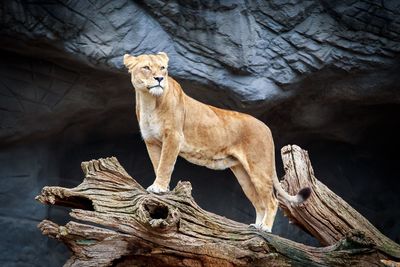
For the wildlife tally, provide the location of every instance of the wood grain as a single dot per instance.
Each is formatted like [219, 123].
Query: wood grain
[118, 223]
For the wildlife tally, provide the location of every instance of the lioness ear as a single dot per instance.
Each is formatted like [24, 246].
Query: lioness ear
[129, 61]
[164, 56]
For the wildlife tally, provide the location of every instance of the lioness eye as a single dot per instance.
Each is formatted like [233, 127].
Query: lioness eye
[162, 68]
[146, 67]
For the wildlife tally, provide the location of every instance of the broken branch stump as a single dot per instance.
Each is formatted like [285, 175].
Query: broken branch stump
[123, 225]
[325, 215]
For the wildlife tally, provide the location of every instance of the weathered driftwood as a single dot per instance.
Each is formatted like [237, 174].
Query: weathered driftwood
[123, 225]
[326, 216]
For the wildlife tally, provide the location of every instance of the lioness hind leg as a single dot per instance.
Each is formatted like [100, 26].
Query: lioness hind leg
[263, 184]
[271, 207]
[250, 192]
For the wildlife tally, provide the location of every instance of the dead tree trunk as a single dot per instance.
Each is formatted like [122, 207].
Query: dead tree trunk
[123, 225]
[326, 216]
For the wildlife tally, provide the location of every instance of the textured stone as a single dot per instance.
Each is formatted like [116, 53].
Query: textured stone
[24, 170]
[18, 249]
[312, 70]
[248, 53]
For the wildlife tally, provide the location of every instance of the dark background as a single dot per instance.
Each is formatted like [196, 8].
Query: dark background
[322, 75]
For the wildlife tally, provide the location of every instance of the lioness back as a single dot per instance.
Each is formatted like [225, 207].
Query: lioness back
[215, 137]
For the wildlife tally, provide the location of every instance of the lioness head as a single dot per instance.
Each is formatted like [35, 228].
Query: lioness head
[148, 72]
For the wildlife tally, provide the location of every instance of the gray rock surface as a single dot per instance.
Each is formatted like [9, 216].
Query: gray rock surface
[245, 55]
[322, 74]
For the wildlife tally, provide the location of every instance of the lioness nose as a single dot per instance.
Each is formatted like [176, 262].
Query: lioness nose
[159, 79]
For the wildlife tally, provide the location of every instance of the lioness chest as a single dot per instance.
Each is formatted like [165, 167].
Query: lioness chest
[150, 126]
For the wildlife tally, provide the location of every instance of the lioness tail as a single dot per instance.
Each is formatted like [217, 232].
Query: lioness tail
[301, 196]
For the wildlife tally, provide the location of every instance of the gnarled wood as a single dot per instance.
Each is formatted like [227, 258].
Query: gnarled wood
[325, 215]
[123, 225]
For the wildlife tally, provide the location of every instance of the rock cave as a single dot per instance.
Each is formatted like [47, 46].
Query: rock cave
[321, 74]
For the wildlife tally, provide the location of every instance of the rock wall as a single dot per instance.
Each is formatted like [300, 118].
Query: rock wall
[62, 61]
[321, 74]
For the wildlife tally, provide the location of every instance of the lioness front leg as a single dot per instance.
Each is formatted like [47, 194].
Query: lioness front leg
[169, 152]
[154, 150]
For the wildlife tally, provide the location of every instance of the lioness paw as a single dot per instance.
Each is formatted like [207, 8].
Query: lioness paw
[260, 227]
[156, 189]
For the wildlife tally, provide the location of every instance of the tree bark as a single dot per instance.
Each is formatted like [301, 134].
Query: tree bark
[325, 215]
[123, 225]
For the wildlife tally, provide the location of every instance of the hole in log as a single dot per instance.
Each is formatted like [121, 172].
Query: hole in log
[75, 203]
[157, 211]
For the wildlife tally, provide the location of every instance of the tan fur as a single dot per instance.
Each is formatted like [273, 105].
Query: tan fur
[174, 124]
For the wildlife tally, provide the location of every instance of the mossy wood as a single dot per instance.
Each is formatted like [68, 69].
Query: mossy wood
[120, 224]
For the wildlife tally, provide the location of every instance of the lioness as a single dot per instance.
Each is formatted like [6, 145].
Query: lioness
[173, 124]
